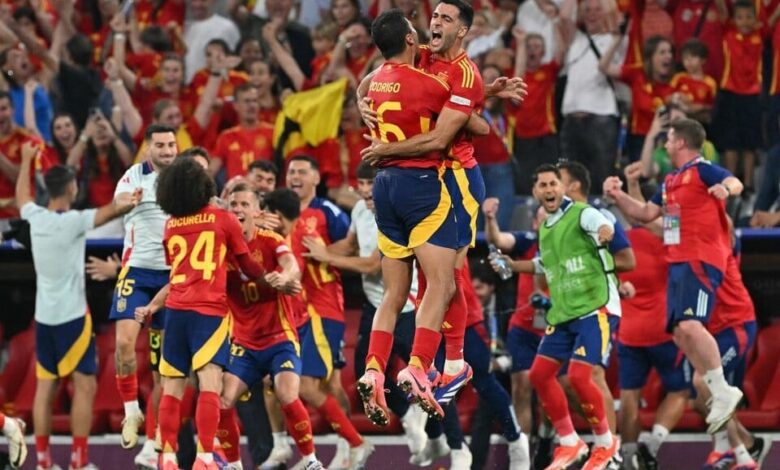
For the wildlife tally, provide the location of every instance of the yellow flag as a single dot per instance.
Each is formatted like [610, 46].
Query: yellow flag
[309, 118]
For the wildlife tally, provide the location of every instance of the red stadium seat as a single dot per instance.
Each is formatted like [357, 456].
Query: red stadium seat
[21, 349]
[764, 367]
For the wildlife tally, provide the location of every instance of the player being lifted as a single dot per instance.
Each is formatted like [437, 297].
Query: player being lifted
[446, 58]
[418, 223]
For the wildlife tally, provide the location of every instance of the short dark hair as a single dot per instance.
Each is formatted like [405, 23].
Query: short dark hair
[245, 188]
[195, 151]
[365, 171]
[174, 56]
[545, 168]
[696, 48]
[482, 272]
[156, 38]
[4, 95]
[305, 158]
[577, 172]
[80, 49]
[389, 32]
[285, 201]
[746, 4]
[157, 129]
[244, 87]
[689, 130]
[465, 11]
[219, 42]
[264, 165]
[184, 188]
[57, 180]
[24, 12]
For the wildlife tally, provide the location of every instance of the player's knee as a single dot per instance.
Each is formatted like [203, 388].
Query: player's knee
[85, 385]
[687, 330]
[125, 345]
[539, 375]
[580, 374]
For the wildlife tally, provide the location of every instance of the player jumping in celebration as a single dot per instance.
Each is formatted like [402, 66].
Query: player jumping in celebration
[418, 223]
[143, 274]
[264, 337]
[197, 238]
[64, 341]
[696, 235]
[585, 310]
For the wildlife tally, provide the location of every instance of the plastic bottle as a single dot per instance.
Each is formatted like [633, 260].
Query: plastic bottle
[504, 271]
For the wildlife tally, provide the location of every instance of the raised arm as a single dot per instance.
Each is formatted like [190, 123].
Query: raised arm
[504, 241]
[519, 36]
[118, 207]
[605, 63]
[643, 212]
[283, 57]
[130, 117]
[28, 151]
[29, 107]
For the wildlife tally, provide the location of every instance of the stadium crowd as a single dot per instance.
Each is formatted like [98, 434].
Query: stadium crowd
[160, 119]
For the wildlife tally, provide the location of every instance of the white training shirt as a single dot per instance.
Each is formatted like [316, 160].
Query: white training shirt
[587, 89]
[58, 246]
[145, 224]
[363, 225]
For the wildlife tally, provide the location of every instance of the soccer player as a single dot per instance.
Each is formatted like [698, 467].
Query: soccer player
[197, 238]
[319, 334]
[576, 182]
[418, 223]
[585, 310]
[264, 337]
[143, 274]
[696, 235]
[13, 430]
[322, 363]
[359, 252]
[445, 57]
[64, 341]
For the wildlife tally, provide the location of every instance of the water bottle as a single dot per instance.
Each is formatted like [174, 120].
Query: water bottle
[504, 271]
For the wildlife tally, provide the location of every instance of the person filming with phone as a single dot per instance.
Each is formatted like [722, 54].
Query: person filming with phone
[655, 161]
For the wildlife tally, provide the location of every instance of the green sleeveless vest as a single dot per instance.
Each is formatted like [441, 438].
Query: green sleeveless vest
[577, 269]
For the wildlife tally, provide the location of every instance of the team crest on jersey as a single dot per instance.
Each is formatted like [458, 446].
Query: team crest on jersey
[257, 255]
[686, 177]
[121, 305]
[234, 146]
[260, 141]
[311, 224]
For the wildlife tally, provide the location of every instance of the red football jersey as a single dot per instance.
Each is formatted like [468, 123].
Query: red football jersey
[226, 89]
[149, 12]
[11, 147]
[644, 316]
[321, 282]
[704, 230]
[407, 101]
[145, 64]
[743, 57]
[698, 91]
[646, 97]
[535, 116]
[238, 147]
[195, 248]
[523, 316]
[733, 305]
[491, 148]
[262, 316]
[467, 95]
